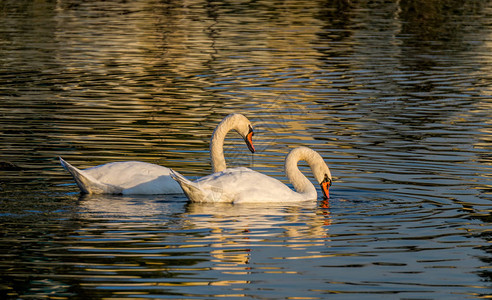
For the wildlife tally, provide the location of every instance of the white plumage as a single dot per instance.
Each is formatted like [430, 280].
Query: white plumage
[243, 185]
[135, 177]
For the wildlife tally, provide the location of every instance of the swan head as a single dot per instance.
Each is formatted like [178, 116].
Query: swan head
[236, 122]
[243, 126]
[325, 186]
[248, 139]
[323, 176]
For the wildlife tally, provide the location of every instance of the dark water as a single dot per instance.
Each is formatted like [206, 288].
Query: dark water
[395, 95]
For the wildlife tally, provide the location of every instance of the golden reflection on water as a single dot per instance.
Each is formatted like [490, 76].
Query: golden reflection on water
[394, 95]
[295, 221]
[235, 230]
[228, 234]
[130, 76]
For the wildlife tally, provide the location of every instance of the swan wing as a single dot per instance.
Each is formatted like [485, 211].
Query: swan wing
[136, 177]
[128, 177]
[127, 173]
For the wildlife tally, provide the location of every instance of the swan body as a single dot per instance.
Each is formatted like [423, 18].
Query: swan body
[135, 177]
[126, 177]
[242, 185]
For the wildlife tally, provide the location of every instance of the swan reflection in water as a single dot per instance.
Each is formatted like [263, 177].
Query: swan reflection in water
[233, 231]
[300, 218]
[227, 234]
[291, 220]
[119, 207]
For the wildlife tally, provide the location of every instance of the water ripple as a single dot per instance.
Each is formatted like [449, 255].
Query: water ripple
[394, 96]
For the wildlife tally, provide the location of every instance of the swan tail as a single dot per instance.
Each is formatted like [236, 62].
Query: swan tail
[86, 183]
[190, 188]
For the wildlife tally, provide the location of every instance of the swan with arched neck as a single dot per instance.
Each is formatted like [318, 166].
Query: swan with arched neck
[243, 185]
[135, 177]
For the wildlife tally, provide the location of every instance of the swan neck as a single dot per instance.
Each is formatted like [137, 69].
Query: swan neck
[300, 182]
[217, 145]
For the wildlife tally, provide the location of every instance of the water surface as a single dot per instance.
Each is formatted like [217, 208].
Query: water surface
[395, 95]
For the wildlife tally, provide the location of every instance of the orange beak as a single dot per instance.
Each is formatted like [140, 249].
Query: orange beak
[325, 187]
[249, 140]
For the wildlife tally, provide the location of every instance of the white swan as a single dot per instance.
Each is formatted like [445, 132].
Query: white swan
[135, 177]
[240, 185]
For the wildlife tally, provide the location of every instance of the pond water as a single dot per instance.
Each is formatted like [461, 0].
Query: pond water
[395, 95]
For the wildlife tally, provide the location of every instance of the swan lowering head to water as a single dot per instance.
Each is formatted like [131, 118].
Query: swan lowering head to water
[241, 185]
